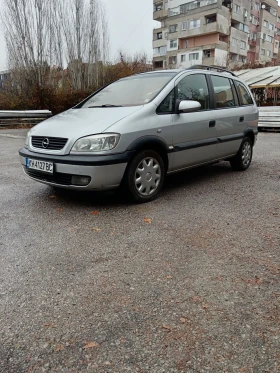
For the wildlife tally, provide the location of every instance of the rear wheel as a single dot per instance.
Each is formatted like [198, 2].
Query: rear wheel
[145, 176]
[242, 160]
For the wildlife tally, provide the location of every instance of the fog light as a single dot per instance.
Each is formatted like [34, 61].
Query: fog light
[80, 180]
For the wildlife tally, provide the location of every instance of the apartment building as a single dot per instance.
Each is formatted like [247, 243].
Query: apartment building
[4, 76]
[215, 32]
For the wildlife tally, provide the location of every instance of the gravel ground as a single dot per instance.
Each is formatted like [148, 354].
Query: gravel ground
[188, 283]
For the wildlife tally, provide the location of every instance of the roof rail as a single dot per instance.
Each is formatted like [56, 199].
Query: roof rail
[211, 67]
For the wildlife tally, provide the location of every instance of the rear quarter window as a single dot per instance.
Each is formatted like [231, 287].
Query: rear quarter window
[244, 95]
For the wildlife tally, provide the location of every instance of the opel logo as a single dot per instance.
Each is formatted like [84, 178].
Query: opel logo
[45, 143]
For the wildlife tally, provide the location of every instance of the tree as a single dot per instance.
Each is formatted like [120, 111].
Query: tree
[41, 34]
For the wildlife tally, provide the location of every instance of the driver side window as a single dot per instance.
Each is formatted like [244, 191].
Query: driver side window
[194, 87]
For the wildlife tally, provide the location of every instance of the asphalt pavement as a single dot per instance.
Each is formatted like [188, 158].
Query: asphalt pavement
[188, 283]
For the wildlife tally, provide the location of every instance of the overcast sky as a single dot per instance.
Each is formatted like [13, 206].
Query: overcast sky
[130, 24]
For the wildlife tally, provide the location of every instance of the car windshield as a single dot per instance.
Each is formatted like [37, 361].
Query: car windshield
[132, 91]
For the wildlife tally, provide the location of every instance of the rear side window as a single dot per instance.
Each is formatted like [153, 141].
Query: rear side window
[244, 95]
[223, 92]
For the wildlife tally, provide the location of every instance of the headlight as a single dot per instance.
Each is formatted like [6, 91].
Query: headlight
[96, 143]
[26, 143]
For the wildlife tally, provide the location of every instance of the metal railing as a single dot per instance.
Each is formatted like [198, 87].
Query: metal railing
[269, 118]
[23, 117]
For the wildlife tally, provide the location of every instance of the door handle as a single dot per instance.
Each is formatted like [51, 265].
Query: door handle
[212, 123]
[241, 119]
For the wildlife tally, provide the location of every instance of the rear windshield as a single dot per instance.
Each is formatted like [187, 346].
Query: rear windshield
[132, 91]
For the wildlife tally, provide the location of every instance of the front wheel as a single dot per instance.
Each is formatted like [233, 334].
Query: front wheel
[242, 160]
[145, 176]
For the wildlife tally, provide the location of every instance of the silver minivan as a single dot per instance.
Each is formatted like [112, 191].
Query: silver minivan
[135, 131]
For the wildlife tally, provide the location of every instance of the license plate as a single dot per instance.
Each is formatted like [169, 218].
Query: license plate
[39, 165]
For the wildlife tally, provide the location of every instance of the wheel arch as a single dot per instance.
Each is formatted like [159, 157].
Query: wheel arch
[151, 143]
[249, 132]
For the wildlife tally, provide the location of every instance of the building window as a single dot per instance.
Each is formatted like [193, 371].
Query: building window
[158, 7]
[162, 50]
[269, 38]
[268, 53]
[174, 11]
[183, 58]
[253, 35]
[276, 44]
[243, 27]
[193, 56]
[159, 35]
[207, 53]
[234, 42]
[173, 44]
[172, 60]
[165, 35]
[272, 11]
[264, 23]
[187, 43]
[255, 20]
[184, 26]
[257, 6]
[262, 51]
[195, 23]
[242, 45]
[278, 19]
[236, 8]
[271, 27]
[173, 28]
[184, 8]
[211, 19]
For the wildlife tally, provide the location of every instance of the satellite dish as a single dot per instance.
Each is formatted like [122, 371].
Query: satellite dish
[263, 6]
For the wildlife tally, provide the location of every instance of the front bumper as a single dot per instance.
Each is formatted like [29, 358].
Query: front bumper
[105, 172]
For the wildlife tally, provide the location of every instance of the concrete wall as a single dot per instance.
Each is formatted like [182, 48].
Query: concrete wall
[189, 63]
[240, 36]
[220, 58]
[245, 5]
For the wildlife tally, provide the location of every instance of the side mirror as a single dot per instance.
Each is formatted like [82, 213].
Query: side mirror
[187, 106]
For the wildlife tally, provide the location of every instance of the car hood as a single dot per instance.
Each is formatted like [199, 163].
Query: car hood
[76, 123]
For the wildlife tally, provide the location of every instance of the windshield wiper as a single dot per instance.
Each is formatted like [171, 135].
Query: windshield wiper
[106, 105]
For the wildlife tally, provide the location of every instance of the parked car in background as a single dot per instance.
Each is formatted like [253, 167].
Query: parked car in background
[139, 129]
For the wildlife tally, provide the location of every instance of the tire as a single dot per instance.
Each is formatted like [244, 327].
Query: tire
[242, 160]
[145, 186]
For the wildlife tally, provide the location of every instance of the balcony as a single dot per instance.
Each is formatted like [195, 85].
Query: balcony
[252, 43]
[159, 15]
[208, 61]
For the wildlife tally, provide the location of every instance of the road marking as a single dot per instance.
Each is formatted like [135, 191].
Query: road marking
[12, 136]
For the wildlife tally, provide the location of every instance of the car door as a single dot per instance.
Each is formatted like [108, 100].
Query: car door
[194, 134]
[229, 116]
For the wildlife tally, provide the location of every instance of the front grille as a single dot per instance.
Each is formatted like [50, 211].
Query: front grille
[55, 143]
[56, 178]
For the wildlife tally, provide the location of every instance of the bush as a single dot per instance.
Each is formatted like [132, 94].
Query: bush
[62, 98]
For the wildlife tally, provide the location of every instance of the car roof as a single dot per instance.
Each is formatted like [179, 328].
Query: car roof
[196, 68]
